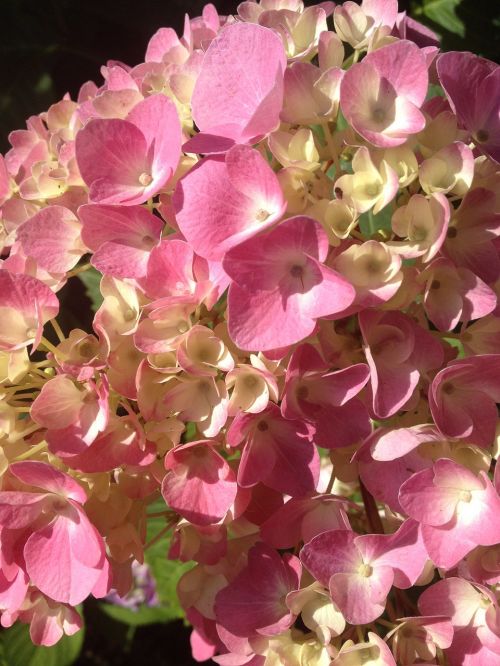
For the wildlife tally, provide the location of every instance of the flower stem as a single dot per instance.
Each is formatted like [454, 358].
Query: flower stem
[371, 510]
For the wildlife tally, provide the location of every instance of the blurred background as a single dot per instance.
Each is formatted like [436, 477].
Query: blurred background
[48, 48]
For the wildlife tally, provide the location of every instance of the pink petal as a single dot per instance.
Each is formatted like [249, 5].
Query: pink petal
[157, 119]
[337, 427]
[384, 479]
[255, 599]
[199, 483]
[426, 502]
[253, 177]
[31, 299]
[278, 452]
[261, 321]
[170, 270]
[217, 207]
[361, 599]
[301, 519]
[396, 443]
[19, 509]
[276, 307]
[331, 552]
[52, 237]
[121, 238]
[111, 156]
[45, 476]
[404, 551]
[71, 545]
[255, 463]
[403, 64]
[223, 102]
[470, 82]
[260, 263]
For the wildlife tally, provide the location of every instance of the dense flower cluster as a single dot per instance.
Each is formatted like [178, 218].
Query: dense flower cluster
[296, 216]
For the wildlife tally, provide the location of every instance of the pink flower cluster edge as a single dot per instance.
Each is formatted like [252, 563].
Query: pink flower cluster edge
[295, 213]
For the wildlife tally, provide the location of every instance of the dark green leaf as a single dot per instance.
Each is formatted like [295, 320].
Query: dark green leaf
[443, 13]
[92, 280]
[136, 618]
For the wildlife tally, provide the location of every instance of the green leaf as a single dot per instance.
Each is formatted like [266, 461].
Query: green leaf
[443, 13]
[370, 223]
[18, 650]
[454, 342]
[137, 618]
[190, 432]
[341, 123]
[165, 572]
[92, 280]
[434, 91]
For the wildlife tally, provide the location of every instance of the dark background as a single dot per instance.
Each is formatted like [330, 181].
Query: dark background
[50, 47]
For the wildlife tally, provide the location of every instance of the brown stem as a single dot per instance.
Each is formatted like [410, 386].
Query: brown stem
[371, 511]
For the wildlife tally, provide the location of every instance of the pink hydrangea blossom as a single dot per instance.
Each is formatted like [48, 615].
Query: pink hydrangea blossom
[26, 304]
[462, 398]
[326, 398]
[398, 351]
[199, 483]
[120, 238]
[470, 83]
[381, 96]
[53, 238]
[472, 610]
[254, 602]
[287, 229]
[280, 286]
[224, 201]
[278, 452]
[458, 511]
[148, 142]
[51, 526]
[238, 112]
[360, 570]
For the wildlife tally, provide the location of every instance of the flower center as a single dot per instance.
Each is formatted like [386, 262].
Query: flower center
[87, 350]
[465, 496]
[148, 242]
[373, 189]
[262, 215]
[297, 271]
[419, 234]
[365, 570]
[250, 381]
[129, 314]
[379, 115]
[373, 266]
[482, 136]
[204, 354]
[145, 179]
